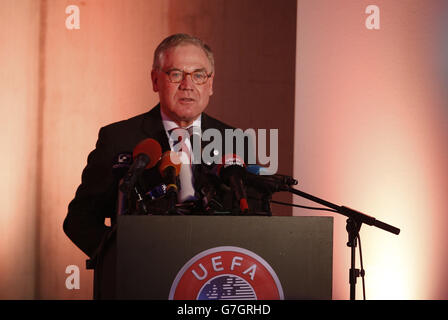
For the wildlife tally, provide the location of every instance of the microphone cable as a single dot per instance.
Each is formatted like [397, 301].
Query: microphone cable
[362, 271]
[300, 206]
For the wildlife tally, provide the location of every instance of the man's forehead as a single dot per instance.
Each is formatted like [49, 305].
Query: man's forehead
[185, 56]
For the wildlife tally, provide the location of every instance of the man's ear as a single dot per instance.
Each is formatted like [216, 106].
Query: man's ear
[211, 84]
[154, 78]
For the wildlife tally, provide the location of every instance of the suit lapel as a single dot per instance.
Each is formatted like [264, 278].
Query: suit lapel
[153, 128]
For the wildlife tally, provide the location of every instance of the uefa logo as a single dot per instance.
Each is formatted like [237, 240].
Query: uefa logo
[226, 273]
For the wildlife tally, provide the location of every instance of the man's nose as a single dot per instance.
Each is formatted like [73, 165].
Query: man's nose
[187, 82]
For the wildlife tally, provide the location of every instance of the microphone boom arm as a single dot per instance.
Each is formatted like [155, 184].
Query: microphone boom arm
[348, 212]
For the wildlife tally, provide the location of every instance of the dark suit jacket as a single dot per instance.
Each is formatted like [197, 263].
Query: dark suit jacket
[96, 197]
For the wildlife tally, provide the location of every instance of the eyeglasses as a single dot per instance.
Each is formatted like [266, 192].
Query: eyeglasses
[198, 77]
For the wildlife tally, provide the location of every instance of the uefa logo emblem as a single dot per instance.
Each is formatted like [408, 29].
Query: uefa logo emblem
[230, 273]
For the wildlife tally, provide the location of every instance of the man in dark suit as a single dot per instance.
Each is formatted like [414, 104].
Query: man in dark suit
[183, 73]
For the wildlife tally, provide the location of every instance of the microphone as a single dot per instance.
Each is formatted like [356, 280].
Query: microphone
[145, 156]
[122, 160]
[273, 182]
[208, 183]
[121, 163]
[156, 192]
[169, 168]
[232, 172]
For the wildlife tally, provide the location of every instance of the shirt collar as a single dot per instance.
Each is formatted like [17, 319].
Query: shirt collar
[169, 124]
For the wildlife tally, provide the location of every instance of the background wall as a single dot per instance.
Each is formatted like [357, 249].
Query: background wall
[19, 101]
[371, 133]
[364, 109]
[60, 85]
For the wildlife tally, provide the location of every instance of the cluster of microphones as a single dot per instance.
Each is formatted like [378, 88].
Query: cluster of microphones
[231, 172]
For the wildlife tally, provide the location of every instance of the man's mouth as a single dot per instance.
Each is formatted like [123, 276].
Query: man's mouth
[186, 100]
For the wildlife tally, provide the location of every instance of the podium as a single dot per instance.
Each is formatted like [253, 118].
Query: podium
[218, 257]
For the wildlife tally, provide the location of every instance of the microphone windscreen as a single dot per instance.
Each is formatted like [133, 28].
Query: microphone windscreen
[151, 148]
[170, 159]
[231, 161]
[253, 168]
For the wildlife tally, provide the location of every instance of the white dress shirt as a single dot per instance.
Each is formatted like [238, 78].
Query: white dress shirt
[186, 190]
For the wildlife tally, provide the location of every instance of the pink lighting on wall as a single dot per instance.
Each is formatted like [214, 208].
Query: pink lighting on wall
[371, 133]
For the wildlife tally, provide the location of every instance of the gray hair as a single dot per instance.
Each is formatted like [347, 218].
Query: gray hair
[177, 40]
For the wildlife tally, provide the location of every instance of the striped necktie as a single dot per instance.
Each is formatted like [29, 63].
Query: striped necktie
[179, 138]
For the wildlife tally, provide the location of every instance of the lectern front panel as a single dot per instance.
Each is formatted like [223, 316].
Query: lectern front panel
[231, 257]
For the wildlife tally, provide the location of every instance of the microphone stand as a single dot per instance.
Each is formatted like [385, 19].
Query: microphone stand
[354, 222]
[170, 178]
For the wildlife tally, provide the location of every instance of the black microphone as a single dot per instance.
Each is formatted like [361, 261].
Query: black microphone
[122, 160]
[145, 156]
[208, 184]
[169, 168]
[260, 177]
[232, 172]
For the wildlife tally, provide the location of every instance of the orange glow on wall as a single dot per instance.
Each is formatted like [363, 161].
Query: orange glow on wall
[64, 76]
[19, 61]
